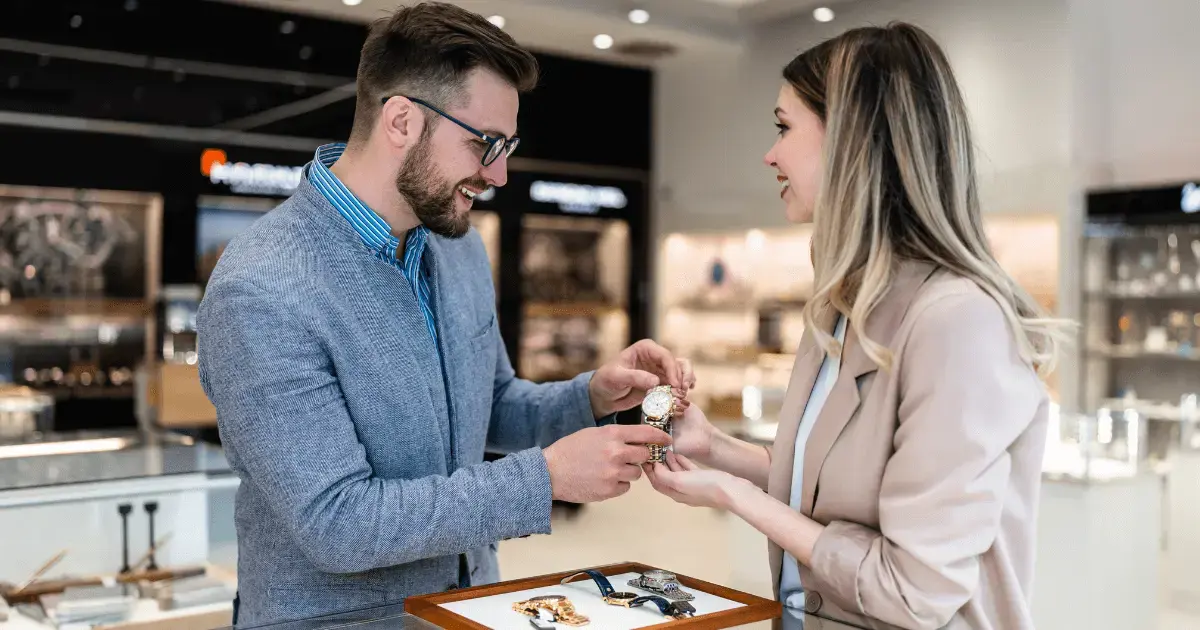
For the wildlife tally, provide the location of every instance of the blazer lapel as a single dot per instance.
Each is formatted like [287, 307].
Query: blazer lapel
[839, 407]
[843, 400]
[388, 297]
[779, 482]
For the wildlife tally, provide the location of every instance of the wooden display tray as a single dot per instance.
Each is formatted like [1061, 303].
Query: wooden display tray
[754, 608]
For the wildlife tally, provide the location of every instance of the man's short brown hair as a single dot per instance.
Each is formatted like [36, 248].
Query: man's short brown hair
[426, 51]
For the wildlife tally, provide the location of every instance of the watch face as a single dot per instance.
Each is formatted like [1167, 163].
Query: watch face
[657, 404]
[623, 597]
[659, 575]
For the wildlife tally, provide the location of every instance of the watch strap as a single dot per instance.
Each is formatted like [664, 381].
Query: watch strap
[667, 608]
[606, 587]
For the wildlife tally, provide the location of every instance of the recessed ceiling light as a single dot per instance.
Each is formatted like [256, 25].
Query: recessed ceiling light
[602, 41]
[639, 16]
[288, 27]
[497, 20]
[76, 21]
[823, 14]
[351, 3]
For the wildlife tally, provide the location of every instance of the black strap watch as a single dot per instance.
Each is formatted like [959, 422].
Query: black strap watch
[675, 610]
[607, 592]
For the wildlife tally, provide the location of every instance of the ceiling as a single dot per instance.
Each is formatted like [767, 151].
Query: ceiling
[568, 26]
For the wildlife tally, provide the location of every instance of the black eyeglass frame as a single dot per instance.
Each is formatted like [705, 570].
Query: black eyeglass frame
[509, 144]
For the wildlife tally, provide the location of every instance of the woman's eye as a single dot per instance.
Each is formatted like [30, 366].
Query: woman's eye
[781, 127]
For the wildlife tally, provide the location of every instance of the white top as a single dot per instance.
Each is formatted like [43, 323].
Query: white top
[791, 593]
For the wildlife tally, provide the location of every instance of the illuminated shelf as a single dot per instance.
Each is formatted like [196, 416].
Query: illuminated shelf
[571, 309]
[71, 307]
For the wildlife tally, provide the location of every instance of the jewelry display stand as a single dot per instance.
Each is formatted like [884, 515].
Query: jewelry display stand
[490, 607]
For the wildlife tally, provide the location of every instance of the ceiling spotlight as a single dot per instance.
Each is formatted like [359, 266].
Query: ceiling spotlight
[639, 16]
[351, 3]
[823, 14]
[602, 41]
[497, 20]
[306, 52]
[288, 27]
[76, 21]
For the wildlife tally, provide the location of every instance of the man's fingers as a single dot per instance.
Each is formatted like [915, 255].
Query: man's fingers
[651, 353]
[641, 434]
[630, 473]
[636, 454]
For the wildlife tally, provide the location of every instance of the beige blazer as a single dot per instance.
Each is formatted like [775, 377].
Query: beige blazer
[926, 476]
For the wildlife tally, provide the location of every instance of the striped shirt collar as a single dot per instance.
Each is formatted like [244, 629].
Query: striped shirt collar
[375, 233]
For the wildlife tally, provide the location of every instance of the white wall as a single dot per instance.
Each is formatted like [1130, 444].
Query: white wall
[1137, 90]
[714, 123]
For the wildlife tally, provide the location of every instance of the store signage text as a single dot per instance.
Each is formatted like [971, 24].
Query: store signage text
[578, 198]
[1191, 198]
[250, 179]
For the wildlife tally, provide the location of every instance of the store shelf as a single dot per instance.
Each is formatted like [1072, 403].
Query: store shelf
[91, 392]
[1149, 409]
[571, 309]
[1131, 295]
[75, 307]
[1120, 353]
[796, 305]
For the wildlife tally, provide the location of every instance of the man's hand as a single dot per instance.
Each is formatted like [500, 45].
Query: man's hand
[600, 463]
[622, 383]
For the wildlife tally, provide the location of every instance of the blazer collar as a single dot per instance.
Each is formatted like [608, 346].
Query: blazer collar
[843, 399]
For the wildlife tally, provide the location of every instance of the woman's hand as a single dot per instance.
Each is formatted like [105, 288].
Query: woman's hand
[692, 433]
[686, 483]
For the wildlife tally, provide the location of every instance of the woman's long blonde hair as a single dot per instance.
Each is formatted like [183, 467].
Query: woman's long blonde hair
[898, 183]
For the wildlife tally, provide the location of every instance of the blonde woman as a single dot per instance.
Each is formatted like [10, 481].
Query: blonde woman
[902, 487]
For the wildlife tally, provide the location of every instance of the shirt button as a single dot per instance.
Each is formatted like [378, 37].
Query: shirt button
[812, 602]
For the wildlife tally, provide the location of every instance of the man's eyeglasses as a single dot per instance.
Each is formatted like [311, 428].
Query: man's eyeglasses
[495, 145]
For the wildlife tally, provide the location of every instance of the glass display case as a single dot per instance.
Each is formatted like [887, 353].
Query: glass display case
[732, 302]
[79, 274]
[574, 289]
[1103, 446]
[1141, 311]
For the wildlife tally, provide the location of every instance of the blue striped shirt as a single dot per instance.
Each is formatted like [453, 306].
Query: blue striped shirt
[375, 233]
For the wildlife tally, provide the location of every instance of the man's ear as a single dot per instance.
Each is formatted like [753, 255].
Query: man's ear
[400, 122]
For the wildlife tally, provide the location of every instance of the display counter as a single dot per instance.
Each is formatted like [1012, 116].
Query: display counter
[93, 508]
[395, 617]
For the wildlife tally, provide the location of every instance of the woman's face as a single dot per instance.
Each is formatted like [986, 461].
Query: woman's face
[796, 155]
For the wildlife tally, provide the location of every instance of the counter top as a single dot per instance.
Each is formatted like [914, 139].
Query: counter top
[63, 459]
[393, 617]
[1062, 463]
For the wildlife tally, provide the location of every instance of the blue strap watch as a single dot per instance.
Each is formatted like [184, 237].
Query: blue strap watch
[675, 610]
[607, 592]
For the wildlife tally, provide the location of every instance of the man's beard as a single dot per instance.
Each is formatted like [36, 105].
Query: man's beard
[429, 196]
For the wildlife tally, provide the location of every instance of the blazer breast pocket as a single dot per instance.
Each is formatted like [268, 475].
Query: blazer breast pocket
[481, 329]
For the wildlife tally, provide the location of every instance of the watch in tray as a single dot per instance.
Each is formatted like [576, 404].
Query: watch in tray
[607, 592]
[662, 582]
[559, 607]
[674, 609]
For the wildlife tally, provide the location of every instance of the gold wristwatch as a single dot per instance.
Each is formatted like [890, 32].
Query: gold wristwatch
[560, 608]
[658, 407]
